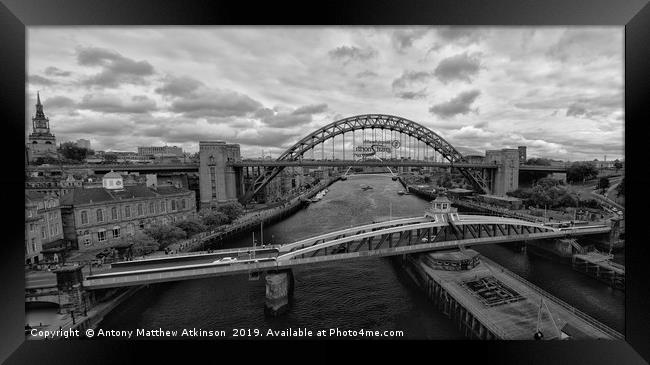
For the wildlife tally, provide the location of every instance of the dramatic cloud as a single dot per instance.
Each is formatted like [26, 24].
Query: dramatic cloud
[218, 103]
[283, 118]
[116, 69]
[264, 88]
[53, 71]
[114, 104]
[403, 39]
[179, 86]
[460, 35]
[459, 67]
[59, 102]
[40, 80]
[348, 54]
[410, 95]
[458, 105]
[366, 73]
[311, 109]
[410, 77]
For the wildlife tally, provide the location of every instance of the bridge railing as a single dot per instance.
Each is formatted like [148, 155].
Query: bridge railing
[578, 313]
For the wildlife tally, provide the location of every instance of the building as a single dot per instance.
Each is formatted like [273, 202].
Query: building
[97, 218]
[83, 143]
[219, 183]
[52, 185]
[160, 151]
[42, 142]
[43, 225]
[506, 176]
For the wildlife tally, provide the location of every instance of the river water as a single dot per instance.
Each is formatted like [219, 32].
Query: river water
[370, 293]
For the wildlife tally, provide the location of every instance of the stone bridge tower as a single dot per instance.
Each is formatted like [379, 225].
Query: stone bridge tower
[219, 183]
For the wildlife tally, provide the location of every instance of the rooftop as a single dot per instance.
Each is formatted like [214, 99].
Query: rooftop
[80, 196]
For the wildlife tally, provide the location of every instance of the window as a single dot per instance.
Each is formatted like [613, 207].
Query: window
[86, 241]
[141, 225]
[43, 232]
[33, 244]
[116, 232]
[162, 206]
[114, 213]
[51, 229]
[139, 209]
[101, 236]
[31, 227]
[182, 203]
[127, 211]
[173, 205]
[100, 215]
[151, 208]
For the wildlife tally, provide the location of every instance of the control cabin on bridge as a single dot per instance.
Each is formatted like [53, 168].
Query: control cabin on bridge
[440, 209]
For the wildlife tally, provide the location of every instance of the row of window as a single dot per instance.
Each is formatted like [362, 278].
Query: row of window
[153, 208]
[85, 237]
[54, 229]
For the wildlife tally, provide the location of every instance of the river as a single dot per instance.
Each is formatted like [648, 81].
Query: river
[370, 293]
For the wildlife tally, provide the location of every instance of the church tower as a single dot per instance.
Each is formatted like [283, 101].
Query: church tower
[42, 142]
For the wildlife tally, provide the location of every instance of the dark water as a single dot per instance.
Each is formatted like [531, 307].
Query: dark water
[371, 294]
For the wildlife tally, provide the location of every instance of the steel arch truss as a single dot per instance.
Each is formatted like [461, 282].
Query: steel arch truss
[361, 122]
[433, 234]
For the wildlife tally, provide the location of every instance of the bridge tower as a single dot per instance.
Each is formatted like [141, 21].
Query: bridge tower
[218, 182]
[506, 176]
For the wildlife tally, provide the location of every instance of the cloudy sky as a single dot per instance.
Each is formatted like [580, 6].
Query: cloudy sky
[558, 91]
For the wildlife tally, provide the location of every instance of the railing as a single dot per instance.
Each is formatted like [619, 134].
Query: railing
[587, 318]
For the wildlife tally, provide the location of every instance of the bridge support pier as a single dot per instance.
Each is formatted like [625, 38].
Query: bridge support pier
[279, 290]
[72, 296]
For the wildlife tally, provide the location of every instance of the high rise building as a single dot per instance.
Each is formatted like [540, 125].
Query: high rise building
[42, 142]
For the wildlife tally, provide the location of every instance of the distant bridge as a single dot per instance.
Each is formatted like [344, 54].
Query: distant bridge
[194, 167]
[389, 238]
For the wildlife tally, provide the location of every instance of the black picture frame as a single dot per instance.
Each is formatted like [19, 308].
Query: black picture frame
[15, 15]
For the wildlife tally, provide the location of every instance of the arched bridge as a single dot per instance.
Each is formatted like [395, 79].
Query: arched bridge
[395, 237]
[382, 122]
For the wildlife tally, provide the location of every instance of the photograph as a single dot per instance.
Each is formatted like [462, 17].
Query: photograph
[324, 182]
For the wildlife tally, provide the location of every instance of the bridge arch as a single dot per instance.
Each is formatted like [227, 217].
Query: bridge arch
[369, 121]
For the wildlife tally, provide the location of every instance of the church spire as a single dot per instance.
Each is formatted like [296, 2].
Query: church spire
[39, 106]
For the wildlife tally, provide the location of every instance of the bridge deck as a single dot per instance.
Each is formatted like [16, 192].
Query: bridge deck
[204, 265]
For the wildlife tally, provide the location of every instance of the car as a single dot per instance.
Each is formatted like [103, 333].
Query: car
[224, 260]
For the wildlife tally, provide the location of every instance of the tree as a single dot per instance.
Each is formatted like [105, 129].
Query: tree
[141, 243]
[110, 158]
[71, 151]
[191, 226]
[603, 184]
[215, 219]
[232, 210]
[580, 172]
[618, 164]
[165, 235]
[539, 161]
[620, 189]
